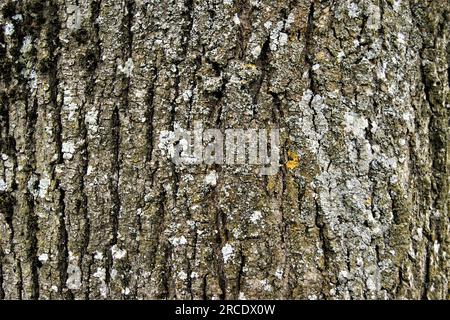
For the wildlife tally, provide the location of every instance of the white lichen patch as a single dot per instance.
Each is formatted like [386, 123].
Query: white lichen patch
[89, 170]
[43, 258]
[100, 273]
[393, 179]
[374, 19]
[74, 277]
[213, 84]
[436, 247]
[17, 17]
[242, 296]
[68, 149]
[165, 144]
[256, 51]
[118, 253]
[356, 124]
[381, 70]
[176, 241]
[103, 289]
[27, 44]
[279, 273]
[265, 285]
[236, 19]
[211, 178]
[74, 17]
[283, 39]
[343, 276]
[8, 29]
[353, 10]
[401, 38]
[290, 19]
[127, 68]
[187, 94]
[182, 275]
[419, 235]
[31, 184]
[256, 216]
[31, 76]
[33, 80]
[236, 233]
[278, 38]
[44, 183]
[69, 106]
[3, 185]
[227, 252]
[313, 124]
[371, 283]
[91, 117]
[113, 274]
[98, 255]
[397, 5]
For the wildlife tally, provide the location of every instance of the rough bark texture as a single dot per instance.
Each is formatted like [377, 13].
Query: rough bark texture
[90, 208]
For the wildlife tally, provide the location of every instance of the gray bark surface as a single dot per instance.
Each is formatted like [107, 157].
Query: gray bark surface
[90, 208]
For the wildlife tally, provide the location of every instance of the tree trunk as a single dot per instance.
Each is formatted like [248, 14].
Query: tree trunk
[92, 208]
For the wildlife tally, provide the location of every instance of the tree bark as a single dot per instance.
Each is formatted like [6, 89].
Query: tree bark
[90, 208]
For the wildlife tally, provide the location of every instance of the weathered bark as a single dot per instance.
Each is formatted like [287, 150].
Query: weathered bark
[90, 208]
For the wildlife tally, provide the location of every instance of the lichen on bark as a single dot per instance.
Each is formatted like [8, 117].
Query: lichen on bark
[90, 207]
